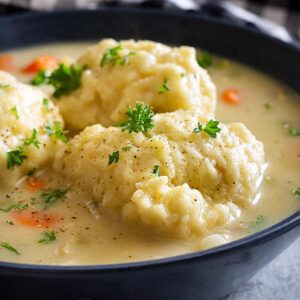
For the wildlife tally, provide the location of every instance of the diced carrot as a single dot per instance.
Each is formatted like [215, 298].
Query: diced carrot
[33, 184]
[231, 96]
[46, 62]
[35, 219]
[6, 62]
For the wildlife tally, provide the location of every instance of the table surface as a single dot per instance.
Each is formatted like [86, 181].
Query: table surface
[280, 280]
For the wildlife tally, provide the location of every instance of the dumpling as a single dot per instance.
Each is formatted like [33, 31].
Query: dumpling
[25, 143]
[201, 183]
[121, 73]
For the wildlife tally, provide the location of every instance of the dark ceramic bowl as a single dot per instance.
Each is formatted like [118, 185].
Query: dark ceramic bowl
[205, 275]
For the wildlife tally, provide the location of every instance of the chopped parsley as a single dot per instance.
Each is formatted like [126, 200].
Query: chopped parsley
[4, 86]
[14, 110]
[48, 237]
[156, 170]
[46, 103]
[31, 172]
[9, 222]
[205, 60]
[113, 157]
[18, 206]
[258, 223]
[296, 192]
[113, 57]
[140, 119]
[65, 79]
[211, 128]
[52, 196]
[268, 105]
[16, 157]
[56, 131]
[9, 247]
[32, 140]
[126, 148]
[164, 88]
[291, 131]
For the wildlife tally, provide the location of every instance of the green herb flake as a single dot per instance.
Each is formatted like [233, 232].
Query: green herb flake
[205, 60]
[296, 192]
[140, 119]
[164, 87]
[47, 237]
[65, 79]
[268, 105]
[9, 222]
[18, 206]
[198, 128]
[156, 170]
[257, 224]
[211, 128]
[40, 78]
[14, 110]
[46, 103]
[56, 131]
[32, 140]
[113, 57]
[4, 86]
[9, 247]
[15, 157]
[31, 172]
[291, 131]
[126, 148]
[51, 196]
[113, 157]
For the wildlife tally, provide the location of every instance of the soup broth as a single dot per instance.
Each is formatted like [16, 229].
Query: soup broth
[83, 235]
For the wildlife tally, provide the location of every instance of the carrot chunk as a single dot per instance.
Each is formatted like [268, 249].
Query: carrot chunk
[6, 62]
[34, 185]
[231, 96]
[46, 62]
[36, 219]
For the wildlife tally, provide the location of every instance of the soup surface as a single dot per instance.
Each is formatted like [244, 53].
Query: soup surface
[74, 231]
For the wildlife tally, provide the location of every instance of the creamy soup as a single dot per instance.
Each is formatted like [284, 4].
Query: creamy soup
[73, 230]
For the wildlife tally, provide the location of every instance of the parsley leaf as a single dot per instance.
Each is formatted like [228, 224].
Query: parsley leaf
[9, 247]
[10, 222]
[139, 119]
[126, 148]
[198, 128]
[164, 88]
[16, 157]
[291, 131]
[40, 78]
[268, 105]
[4, 86]
[18, 206]
[156, 170]
[205, 60]
[31, 172]
[48, 237]
[296, 192]
[52, 196]
[46, 103]
[211, 128]
[56, 131]
[65, 79]
[113, 157]
[14, 110]
[112, 57]
[32, 140]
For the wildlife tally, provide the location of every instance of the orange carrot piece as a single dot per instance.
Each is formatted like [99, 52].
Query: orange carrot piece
[231, 96]
[46, 62]
[36, 219]
[6, 62]
[34, 185]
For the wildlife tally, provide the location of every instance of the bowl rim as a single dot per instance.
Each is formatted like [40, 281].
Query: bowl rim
[260, 237]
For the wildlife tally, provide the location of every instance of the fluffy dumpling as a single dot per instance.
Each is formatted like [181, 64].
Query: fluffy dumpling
[24, 141]
[201, 182]
[120, 74]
